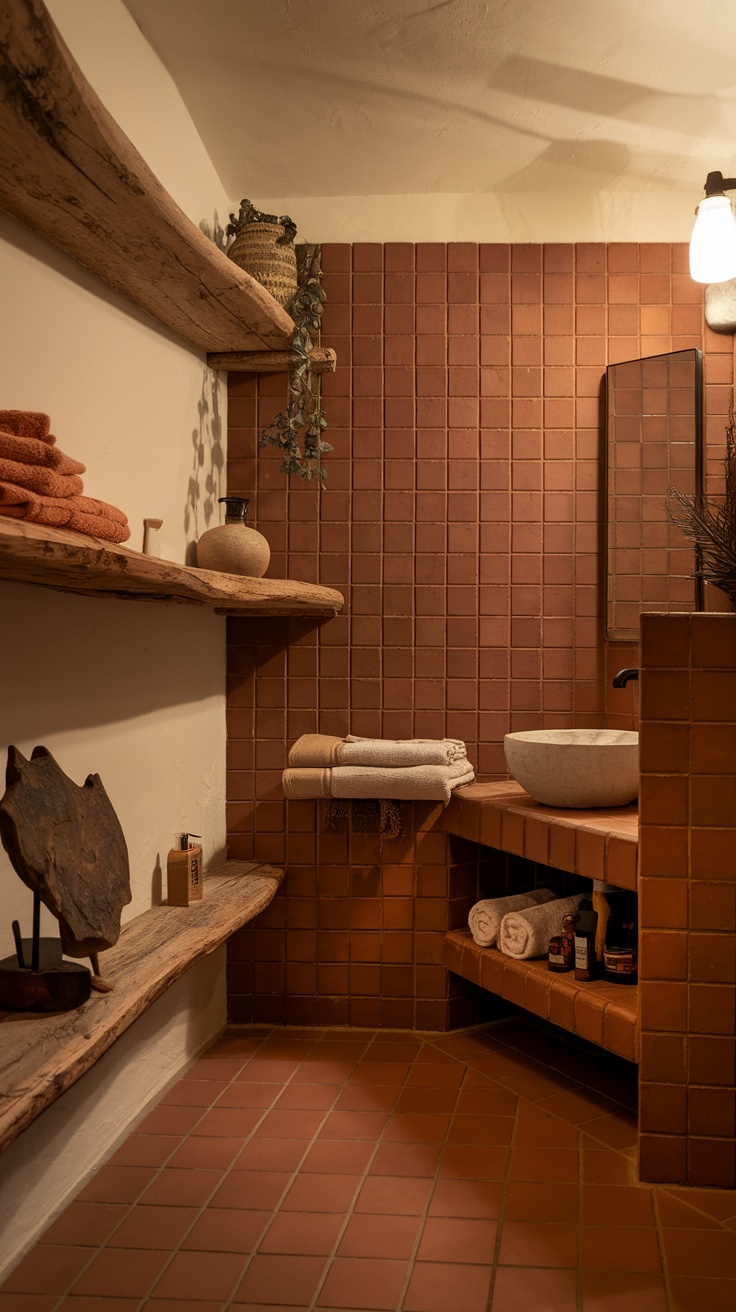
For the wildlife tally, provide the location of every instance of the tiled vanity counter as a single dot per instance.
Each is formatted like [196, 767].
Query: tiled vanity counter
[593, 844]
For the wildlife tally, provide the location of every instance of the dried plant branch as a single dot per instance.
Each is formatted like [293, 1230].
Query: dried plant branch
[711, 524]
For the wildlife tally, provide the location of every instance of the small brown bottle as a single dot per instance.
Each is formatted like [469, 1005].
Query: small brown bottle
[561, 955]
[184, 872]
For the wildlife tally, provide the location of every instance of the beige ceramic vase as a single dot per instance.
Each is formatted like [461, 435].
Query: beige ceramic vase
[232, 547]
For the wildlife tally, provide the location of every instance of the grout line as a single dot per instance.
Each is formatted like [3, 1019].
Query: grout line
[502, 1209]
[664, 1265]
[581, 1220]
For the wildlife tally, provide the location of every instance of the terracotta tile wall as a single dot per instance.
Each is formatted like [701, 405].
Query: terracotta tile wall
[462, 520]
[688, 899]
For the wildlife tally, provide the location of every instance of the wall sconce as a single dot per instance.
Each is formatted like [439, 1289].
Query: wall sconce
[713, 253]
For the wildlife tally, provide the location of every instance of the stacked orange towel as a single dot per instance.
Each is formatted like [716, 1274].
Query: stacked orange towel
[41, 484]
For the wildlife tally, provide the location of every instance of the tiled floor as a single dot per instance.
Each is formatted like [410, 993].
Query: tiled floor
[346, 1169]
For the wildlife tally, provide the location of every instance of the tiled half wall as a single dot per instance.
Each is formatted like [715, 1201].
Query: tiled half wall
[462, 519]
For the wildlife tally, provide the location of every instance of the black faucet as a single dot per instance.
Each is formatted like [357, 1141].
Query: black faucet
[624, 676]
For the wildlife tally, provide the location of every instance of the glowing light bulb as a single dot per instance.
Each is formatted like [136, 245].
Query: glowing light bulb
[713, 243]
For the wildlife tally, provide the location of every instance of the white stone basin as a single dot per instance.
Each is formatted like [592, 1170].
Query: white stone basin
[578, 768]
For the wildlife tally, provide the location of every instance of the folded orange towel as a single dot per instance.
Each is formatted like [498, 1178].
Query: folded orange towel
[30, 451]
[83, 514]
[37, 479]
[27, 423]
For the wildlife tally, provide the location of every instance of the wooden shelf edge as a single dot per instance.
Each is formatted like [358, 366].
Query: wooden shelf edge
[322, 360]
[603, 1013]
[70, 173]
[42, 1056]
[72, 562]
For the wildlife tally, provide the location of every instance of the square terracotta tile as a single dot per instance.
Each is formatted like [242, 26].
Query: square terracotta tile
[554, 1290]
[300, 1233]
[442, 1287]
[125, 1272]
[361, 1282]
[226, 1230]
[528, 1244]
[200, 1275]
[371, 1235]
[276, 1278]
[450, 1239]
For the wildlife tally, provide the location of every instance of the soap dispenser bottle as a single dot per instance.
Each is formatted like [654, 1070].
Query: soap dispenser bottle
[184, 872]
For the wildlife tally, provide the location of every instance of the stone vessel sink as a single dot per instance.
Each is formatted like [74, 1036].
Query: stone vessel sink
[579, 768]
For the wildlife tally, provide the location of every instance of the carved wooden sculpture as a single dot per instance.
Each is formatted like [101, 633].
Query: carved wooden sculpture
[66, 843]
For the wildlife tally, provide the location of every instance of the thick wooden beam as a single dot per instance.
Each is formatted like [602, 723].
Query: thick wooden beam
[42, 1056]
[70, 173]
[72, 562]
[322, 360]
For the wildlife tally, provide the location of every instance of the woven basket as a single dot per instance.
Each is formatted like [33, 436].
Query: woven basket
[255, 249]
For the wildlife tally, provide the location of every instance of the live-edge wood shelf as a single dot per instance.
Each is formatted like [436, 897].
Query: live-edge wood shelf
[42, 1056]
[72, 562]
[71, 174]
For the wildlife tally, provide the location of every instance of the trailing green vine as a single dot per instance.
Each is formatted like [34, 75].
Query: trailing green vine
[298, 431]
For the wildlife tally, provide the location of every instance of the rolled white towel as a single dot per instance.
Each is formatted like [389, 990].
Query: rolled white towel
[485, 917]
[525, 934]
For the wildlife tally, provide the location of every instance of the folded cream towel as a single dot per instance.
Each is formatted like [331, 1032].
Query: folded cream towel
[486, 916]
[322, 749]
[415, 783]
[525, 934]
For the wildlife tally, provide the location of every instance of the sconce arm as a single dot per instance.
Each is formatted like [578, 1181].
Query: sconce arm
[716, 184]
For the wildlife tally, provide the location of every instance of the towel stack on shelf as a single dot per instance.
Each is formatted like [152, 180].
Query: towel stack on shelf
[41, 484]
[521, 925]
[412, 770]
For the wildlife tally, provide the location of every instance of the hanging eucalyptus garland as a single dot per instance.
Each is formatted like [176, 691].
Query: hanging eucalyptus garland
[298, 430]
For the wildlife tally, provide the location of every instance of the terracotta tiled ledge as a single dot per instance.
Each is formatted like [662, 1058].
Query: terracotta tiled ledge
[602, 1013]
[595, 844]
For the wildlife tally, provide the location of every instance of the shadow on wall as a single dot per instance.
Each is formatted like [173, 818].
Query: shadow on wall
[206, 481]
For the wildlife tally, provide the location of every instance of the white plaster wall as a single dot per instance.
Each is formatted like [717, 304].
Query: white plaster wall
[132, 691]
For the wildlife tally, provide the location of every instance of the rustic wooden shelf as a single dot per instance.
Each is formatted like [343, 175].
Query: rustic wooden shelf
[322, 360]
[71, 174]
[602, 1013]
[595, 844]
[42, 1056]
[72, 562]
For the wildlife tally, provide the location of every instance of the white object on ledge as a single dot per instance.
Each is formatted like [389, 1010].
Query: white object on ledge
[152, 537]
[578, 768]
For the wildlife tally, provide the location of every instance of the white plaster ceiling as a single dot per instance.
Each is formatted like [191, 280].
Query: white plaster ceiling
[325, 98]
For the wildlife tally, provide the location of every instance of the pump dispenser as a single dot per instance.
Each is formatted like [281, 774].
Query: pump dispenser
[184, 871]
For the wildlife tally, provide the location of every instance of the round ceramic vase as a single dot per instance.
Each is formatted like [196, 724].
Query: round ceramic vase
[232, 547]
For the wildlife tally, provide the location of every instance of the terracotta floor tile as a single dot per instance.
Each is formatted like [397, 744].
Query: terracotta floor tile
[354, 1125]
[531, 1243]
[145, 1150]
[48, 1269]
[612, 1204]
[175, 1305]
[321, 1193]
[700, 1252]
[577, 1107]
[88, 1224]
[89, 1303]
[538, 1288]
[323, 1072]
[228, 1122]
[418, 1099]
[209, 1153]
[545, 1132]
[486, 1102]
[618, 1129]
[121, 1271]
[200, 1275]
[303, 1232]
[193, 1093]
[362, 1282]
[241, 1094]
[216, 1067]
[620, 1248]
[604, 1166]
[696, 1294]
[677, 1212]
[226, 1230]
[544, 1164]
[182, 1187]
[153, 1227]
[445, 1287]
[542, 1202]
[366, 1098]
[613, 1291]
[261, 1070]
[275, 1278]
[338, 1156]
[452, 1239]
[306, 1097]
[473, 1198]
[436, 1075]
[719, 1203]
[398, 1195]
[116, 1184]
[416, 1127]
[258, 1190]
[28, 1302]
[170, 1120]
[481, 1129]
[472, 1162]
[370, 1235]
[291, 1124]
[405, 1159]
[263, 1154]
[390, 1073]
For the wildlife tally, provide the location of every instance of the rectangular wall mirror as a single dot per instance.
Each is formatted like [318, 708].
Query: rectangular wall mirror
[654, 440]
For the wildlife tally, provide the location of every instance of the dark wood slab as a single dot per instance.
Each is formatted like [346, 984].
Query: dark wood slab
[70, 173]
[66, 843]
[41, 1056]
